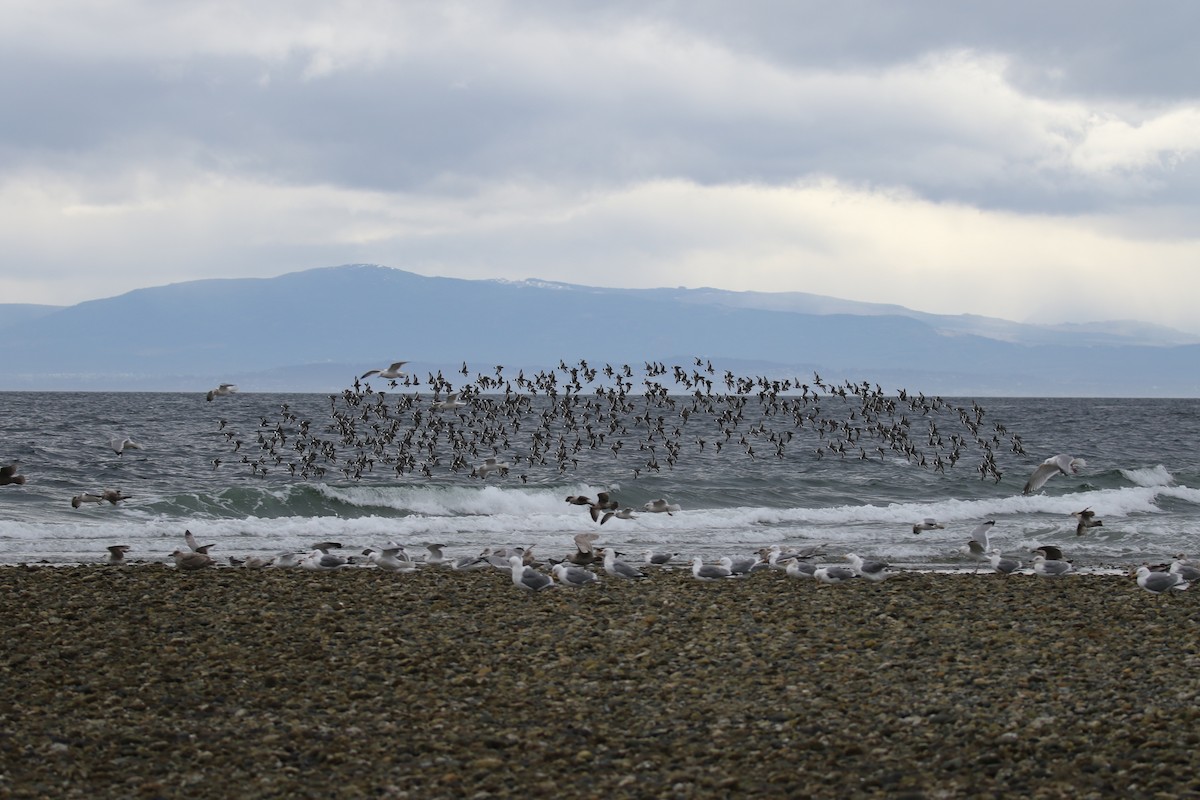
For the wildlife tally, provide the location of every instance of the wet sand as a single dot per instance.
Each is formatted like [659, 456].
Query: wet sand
[142, 681]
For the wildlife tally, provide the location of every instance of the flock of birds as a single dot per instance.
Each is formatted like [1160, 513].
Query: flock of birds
[588, 561]
[554, 419]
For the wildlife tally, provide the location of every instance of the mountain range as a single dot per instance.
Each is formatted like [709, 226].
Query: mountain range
[316, 330]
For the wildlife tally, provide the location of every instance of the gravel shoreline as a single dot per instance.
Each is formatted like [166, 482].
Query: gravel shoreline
[143, 681]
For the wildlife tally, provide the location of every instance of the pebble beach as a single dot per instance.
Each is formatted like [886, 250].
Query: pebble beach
[147, 681]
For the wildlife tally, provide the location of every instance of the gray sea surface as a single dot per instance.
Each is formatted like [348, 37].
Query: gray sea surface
[773, 480]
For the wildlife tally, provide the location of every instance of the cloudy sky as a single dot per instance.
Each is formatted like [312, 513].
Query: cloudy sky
[1028, 160]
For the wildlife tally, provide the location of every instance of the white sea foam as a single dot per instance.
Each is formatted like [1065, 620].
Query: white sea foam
[1149, 476]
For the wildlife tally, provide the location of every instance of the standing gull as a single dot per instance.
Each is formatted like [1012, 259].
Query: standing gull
[190, 559]
[834, 574]
[1055, 465]
[709, 572]
[116, 553]
[619, 569]
[527, 577]
[1051, 568]
[798, 568]
[1181, 566]
[869, 569]
[1003, 564]
[573, 576]
[1159, 582]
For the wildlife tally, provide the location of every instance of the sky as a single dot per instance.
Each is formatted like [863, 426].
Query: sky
[1034, 161]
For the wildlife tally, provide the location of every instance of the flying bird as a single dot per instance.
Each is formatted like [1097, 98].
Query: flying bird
[927, 524]
[1055, 465]
[1087, 519]
[120, 443]
[393, 371]
[8, 475]
[221, 391]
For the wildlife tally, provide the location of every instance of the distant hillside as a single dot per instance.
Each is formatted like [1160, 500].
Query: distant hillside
[316, 330]
[13, 315]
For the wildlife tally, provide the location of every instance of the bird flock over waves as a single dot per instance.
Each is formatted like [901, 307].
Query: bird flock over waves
[589, 564]
[514, 425]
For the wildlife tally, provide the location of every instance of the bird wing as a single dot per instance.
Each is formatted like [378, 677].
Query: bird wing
[1045, 471]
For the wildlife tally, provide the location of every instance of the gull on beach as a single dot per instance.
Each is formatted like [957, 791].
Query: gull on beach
[834, 574]
[661, 506]
[619, 569]
[256, 562]
[287, 560]
[190, 559]
[798, 568]
[927, 524]
[980, 543]
[392, 371]
[1003, 564]
[9, 476]
[1051, 568]
[389, 559]
[434, 554]
[224, 390]
[319, 560]
[710, 572]
[869, 569]
[120, 443]
[116, 553]
[1181, 566]
[528, 578]
[659, 559]
[1159, 582]
[573, 576]
[191, 543]
[469, 563]
[743, 565]
[1055, 465]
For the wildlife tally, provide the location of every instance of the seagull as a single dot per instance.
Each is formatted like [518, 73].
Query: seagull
[1003, 564]
[871, 570]
[393, 371]
[116, 553]
[659, 559]
[435, 554]
[1049, 551]
[221, 391]
[325, 547]
[528, 577]
[1159, 582]
[256, 562]
[620, 513]
[661, 506]
[120, 443]
[1181, 566]
[190, 559]
[1087, 519]
[113, 496]
[710, 572]
[1064, 464]
[743, 565]
[980, 543]
[319, 560]
[797, 568]
[928, 524]
[491, 465]
[451, 402]
[573, 576]
[619, 569]
[389, 559]
[469, 563]
[191, 543]
[8, 475]
[85, 497]
[287, 560]
[834, 574]
[1051, 568]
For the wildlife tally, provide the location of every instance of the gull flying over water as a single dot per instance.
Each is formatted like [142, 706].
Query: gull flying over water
[120, 443]
[927, 524]
[1087, 519]
[223, 390]
[9, 476]
[661, 506]
[1055, 465]
[392, 371]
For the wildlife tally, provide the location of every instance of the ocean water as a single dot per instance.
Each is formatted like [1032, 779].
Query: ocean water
[313, 467]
